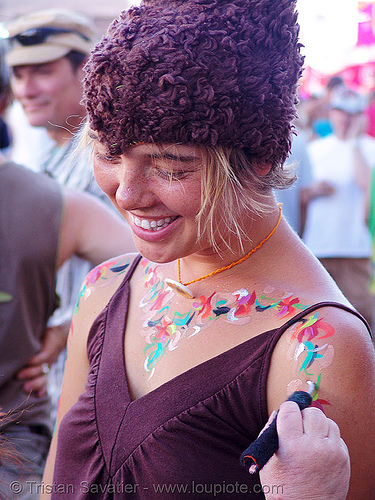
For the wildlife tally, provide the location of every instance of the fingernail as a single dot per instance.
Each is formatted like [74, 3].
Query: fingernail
[273, 415]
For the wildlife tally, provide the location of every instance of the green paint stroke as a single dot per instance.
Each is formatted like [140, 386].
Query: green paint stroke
[5, 297]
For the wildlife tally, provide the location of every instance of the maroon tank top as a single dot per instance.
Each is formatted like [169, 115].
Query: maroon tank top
[181, 440]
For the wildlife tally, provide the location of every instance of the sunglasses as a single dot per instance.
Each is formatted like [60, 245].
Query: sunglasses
[36, 36]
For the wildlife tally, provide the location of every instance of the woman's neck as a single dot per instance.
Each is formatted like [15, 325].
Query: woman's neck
[259, 230]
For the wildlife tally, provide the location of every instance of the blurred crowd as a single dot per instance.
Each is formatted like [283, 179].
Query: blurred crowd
[331, 204]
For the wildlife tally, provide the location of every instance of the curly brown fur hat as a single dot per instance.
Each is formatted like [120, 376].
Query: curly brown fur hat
[209, 72]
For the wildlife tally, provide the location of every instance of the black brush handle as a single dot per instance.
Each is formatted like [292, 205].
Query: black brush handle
[261, 450]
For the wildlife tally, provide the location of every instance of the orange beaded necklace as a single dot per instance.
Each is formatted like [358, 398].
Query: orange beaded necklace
[183, 289]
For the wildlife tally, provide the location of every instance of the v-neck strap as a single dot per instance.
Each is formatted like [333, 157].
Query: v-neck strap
[129, 273]
[112, 390]
[299, 317]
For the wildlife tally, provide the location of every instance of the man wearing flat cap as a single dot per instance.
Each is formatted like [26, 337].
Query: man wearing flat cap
[47, 51]
[336, 230]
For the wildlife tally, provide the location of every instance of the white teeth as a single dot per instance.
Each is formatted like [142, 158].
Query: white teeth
[153, 225]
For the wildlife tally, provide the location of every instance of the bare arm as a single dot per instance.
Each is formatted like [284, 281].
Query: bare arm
[91, 230]
[362, 176]
[98, 292]
[75, 375]
[362, 170]
[346, 368]
[54, 342]
[315, 190]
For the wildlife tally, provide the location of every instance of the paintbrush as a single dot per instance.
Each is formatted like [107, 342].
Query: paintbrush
[261, 450]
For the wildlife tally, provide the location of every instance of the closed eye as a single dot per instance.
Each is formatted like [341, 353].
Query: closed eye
[107, 158]
[172, 175]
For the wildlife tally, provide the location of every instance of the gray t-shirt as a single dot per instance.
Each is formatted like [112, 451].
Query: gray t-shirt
[30, 214]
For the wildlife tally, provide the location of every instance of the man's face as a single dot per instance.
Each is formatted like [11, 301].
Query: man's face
[50, 93]
[344, 124]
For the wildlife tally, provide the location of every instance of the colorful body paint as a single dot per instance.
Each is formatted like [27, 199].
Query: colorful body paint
[163, 328]
[307, 356]
[106, 272]
[5, 297]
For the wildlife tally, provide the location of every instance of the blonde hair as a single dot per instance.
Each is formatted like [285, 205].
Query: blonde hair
[232, 183]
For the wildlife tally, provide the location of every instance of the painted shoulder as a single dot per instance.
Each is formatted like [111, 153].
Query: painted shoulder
[325, 346]
[103, 280]
[111, 269]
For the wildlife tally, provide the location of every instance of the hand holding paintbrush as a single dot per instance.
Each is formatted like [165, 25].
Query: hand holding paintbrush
[267, 443]
[312, 461]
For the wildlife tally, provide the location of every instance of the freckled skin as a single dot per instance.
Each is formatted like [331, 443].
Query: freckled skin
[140, 185]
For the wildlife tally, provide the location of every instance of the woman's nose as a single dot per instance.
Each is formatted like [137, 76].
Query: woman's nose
[134, 191]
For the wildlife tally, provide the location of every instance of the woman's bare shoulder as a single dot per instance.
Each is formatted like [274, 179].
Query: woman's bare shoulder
[102, 282]
[303, 272]
[326, 341]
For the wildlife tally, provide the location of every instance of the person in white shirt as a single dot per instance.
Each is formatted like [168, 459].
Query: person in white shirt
[336, 230]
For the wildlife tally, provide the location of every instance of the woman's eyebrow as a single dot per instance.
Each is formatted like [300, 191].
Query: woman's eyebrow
[170, 156]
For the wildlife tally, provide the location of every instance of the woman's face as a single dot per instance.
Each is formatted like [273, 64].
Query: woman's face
[157, 189]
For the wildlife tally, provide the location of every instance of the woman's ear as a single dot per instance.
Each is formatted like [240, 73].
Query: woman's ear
[262, 170]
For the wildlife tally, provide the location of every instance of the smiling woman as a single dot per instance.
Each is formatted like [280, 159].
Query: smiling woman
[178, 356]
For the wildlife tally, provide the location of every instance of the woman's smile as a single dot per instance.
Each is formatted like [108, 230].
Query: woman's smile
[153, 230]
[152, 224]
